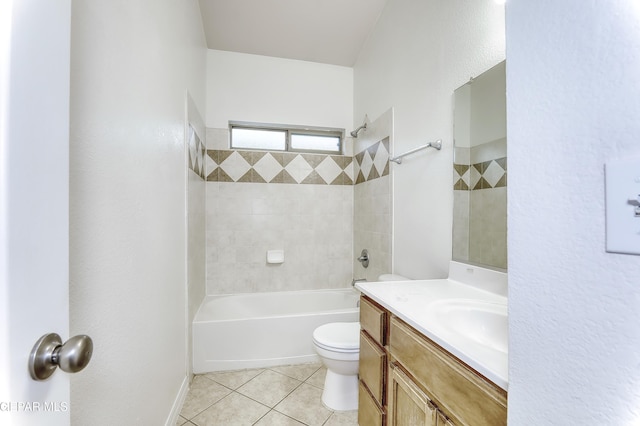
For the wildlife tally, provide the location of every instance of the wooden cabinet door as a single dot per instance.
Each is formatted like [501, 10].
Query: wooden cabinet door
[408, 404]
[443, 420]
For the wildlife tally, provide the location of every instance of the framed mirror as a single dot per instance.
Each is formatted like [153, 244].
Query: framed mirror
[480, 171]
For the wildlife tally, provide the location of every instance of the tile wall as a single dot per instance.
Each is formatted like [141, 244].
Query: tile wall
[480, 200]
[322, 210]
[259, 201]
[196, 227]
[372, 206]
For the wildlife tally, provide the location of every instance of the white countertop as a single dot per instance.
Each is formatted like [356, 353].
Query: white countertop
[413, 302]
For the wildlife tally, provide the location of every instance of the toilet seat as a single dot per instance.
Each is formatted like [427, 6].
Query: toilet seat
[338, 337]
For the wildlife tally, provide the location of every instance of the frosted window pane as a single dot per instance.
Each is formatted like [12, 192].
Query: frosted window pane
[258, 139]
[315, 143]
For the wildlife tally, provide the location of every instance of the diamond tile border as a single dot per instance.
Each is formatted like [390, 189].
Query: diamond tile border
[196, 154]
[373, 162]
[462, 180]
[279, 167]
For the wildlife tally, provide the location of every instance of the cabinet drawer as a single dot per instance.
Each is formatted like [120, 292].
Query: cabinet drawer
[459, 391]
[373, 362]
[369, 413]
[373, 319]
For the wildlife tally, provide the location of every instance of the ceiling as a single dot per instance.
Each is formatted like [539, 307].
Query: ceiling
[325, 31]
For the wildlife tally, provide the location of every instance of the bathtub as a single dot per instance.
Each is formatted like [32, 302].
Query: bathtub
[255, 330]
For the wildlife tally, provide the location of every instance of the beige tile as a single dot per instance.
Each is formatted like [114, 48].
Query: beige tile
[234, 379]
[180, 421]
[343, 418]
[305, 405]
[269, 387]
[234, 410]
[273, 418]
[301, 371]
[202, 394]
[317, 379]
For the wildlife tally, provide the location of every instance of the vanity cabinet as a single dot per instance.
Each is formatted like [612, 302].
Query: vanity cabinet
[460, 394]
[373, 363]
[408, 380]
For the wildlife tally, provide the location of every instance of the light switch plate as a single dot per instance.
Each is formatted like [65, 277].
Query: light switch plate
[622, 186]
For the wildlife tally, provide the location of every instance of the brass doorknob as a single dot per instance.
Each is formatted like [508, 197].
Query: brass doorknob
[49, 352]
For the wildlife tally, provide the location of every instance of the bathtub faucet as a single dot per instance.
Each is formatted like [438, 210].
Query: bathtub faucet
[354, 281]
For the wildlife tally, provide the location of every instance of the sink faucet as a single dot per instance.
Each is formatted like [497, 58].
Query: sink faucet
[354, 281]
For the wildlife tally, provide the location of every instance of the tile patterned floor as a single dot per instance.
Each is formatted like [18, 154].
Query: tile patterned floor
[276, 396]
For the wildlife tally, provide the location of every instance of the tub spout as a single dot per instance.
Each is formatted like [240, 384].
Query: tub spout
[354, 281]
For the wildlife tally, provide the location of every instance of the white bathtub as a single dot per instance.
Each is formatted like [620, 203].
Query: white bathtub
[254, 330]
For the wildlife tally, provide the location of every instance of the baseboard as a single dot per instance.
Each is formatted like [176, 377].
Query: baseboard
[177, 404]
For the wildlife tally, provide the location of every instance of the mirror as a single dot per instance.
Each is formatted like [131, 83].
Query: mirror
[480, 171]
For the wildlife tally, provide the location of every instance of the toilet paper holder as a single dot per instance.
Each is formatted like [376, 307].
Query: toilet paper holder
[275, 256]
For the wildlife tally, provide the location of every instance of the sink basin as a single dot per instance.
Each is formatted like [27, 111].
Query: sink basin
[482, 322]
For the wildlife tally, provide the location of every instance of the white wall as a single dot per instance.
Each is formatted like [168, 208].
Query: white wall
[131, 67]
[574, 310]
[418, 54]
[263, 89]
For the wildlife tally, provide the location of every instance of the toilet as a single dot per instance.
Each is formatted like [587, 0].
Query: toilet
[338, 346]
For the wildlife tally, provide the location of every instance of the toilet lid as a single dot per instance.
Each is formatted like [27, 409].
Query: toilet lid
[341, 336]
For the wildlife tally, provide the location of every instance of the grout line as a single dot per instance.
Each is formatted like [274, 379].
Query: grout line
[270, 409]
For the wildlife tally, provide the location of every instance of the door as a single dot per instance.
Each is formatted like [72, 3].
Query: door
[408, 405]
[34, 198]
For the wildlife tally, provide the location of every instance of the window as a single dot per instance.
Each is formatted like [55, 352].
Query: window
[273, 137]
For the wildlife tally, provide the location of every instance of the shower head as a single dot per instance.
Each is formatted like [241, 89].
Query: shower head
[355, 132]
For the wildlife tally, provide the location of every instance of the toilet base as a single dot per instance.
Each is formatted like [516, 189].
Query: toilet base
[340, 392]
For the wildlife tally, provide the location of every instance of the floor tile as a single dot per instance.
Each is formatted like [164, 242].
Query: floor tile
[343, 418]
[234, 379]
[304, 404]
[273, 418]
[301, 371]
[317, 379]
[180, 421]
[269, 387]
[233, 410]
[202, 394]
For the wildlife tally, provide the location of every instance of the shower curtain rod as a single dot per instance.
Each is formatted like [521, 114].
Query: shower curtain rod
[398, 158]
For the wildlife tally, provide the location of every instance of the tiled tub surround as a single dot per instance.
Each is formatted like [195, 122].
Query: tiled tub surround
[288, 395]
[196, 227]
[302, 203]
[481, 187]
[313, 224]
[372, 210]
